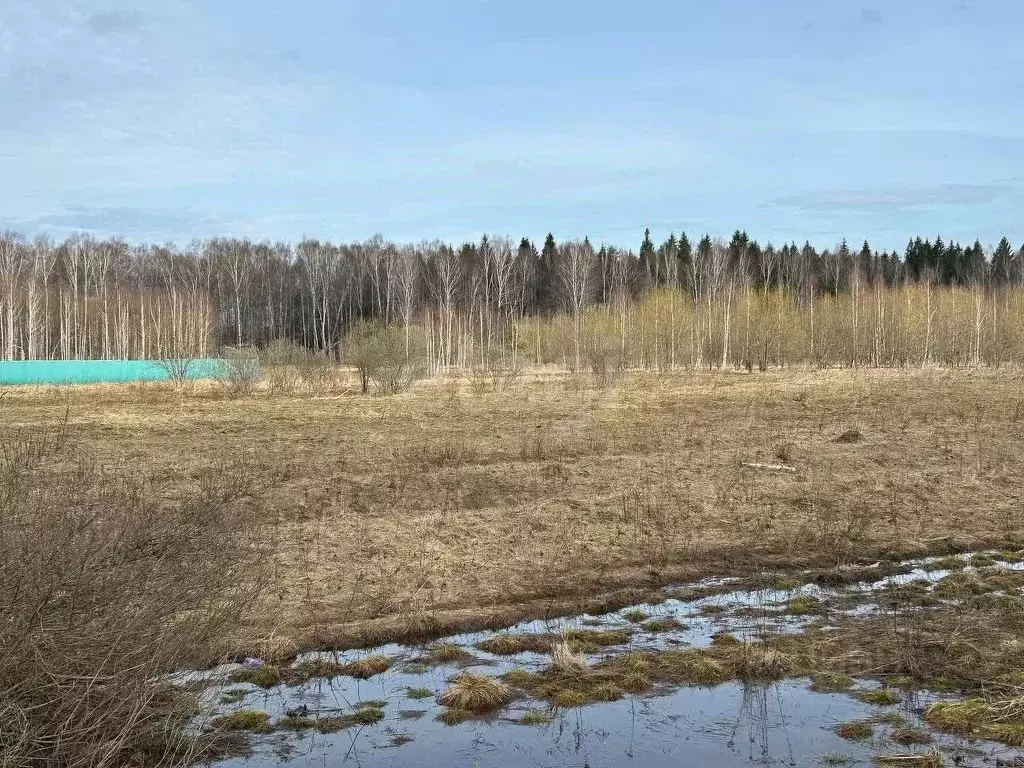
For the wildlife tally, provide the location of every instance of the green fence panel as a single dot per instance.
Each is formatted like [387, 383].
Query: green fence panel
[93, 371]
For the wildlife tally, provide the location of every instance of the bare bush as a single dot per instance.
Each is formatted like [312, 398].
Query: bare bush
[289, 366]
[386, 356]
[318, 374]
[179, 371]
[103, 589]
[239, 372]
[602, 354]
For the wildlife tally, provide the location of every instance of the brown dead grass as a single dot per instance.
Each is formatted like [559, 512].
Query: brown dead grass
[555, 491]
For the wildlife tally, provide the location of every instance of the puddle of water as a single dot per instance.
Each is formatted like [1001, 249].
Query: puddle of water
[782, 724]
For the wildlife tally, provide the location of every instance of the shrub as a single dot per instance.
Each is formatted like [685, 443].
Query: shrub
[385, 355]
[239, 371]
[103, 589]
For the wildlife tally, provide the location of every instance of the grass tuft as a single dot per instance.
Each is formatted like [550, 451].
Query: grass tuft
[244, 720]
[267, 676]
[958, 716]
[662, 625]
[449, 653]
[828, 682]
[931, 759]
[597, 638]
[510, 645]
[475, 693]
[880, 697]
[364, 669]
[452, 716]
[418, 693]
[565, 661]
[911, 736]
[982, 560]
[535, 717]
[724, 639]
[757, 662]
[296, 723]
[804, 605]
[692, 668]
[570, 699]
[857, 730]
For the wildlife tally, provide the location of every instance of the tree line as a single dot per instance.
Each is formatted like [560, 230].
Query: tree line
[86, 297]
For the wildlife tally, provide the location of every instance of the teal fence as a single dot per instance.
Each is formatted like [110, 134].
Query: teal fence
[92, 371]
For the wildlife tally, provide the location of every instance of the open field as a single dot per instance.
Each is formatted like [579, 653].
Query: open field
[462, 505]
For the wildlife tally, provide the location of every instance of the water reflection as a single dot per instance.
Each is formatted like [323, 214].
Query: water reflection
[733, 724]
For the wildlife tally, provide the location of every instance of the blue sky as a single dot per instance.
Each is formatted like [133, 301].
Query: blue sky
[445, 118]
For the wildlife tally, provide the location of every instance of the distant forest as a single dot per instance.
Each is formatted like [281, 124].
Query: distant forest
[103, 298]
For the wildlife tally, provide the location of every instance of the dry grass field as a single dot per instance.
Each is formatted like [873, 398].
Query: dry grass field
[465, 504]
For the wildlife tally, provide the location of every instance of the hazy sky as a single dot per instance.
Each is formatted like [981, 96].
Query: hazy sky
[433, 118]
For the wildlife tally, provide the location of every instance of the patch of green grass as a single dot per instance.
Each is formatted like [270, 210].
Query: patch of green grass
[296, 723]
[610, 691]
[879, 697]
[598, 638]
[1010, 557]
[535, 717]
[982, 560]
[829, 682]
[961, 584]
[244, 720]
[690, 667]
[449, 653]
[510, 645]
[948, 563]
[804, 605]
[635, 682]
[958, 716]
[857, 730]
[1011, 734]
[368, 715]
[931, 759]
[568, 699]
[364, 669]
[335, 723]
[419, 693]
[267, 676]
[662, 625]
